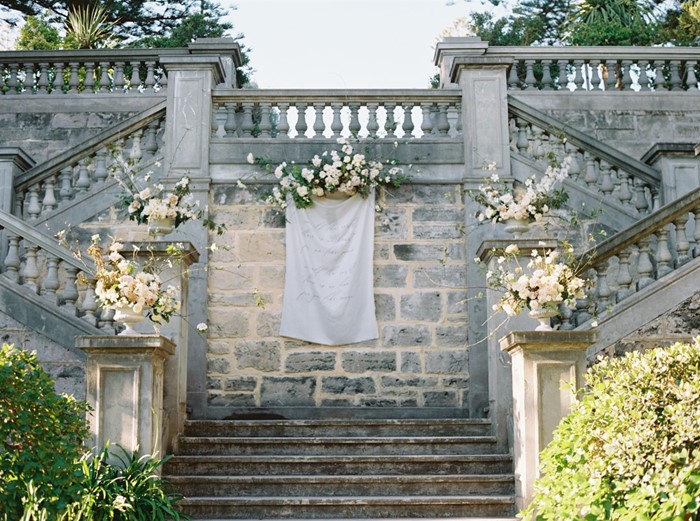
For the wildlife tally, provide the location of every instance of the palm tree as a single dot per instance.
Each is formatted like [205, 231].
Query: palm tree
[87, 28]
[611, 22]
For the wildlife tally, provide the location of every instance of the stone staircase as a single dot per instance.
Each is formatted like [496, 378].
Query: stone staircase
[357, 468]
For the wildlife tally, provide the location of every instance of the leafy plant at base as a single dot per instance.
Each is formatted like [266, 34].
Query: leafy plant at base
[41, 437]
[125, 486]
[630, 450]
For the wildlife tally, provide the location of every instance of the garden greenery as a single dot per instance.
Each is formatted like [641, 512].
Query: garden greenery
[630, 450]
[41, 436]
[46, 474]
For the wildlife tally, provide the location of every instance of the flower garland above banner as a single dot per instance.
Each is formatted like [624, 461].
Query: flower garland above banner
[329, 206]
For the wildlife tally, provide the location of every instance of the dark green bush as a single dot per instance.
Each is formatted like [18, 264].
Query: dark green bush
[629, 451]
[41, 436]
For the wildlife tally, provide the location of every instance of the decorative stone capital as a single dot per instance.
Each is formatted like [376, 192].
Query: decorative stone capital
[547, 341]
[206, 63]
[491, 249]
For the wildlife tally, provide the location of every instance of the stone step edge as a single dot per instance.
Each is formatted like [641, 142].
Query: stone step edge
[338, 458]
[333, 478]
[384, 519]
[334, 422]
[311, 440]
[346, 500]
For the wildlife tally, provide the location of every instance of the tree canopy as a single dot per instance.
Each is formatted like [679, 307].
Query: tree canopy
[590, 22]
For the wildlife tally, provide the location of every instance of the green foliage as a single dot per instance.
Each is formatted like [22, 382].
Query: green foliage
[41, 436]
[630, 449]
[611, 22]
[88, 28]
[682, 25]
[37, 34]
[513, 30]
[122, 486]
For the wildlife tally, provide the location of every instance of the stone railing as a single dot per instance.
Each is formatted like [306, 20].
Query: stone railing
[608, 173]
[597, 69]
[37, 262]
[634, 258]
[329, 114]
[84, 169]
[133, 71]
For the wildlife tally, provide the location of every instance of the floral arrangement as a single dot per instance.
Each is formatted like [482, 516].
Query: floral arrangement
[546, 284]
[344, 171]
[146, 203]
[120, 284]
[530, 202]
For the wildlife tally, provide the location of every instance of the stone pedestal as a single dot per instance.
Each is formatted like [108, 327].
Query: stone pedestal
[125, 390]
[174, 273]
[547, 371]
[499, 364]
[679, 167]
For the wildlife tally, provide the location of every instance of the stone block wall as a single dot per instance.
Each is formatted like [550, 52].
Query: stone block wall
[45, 127]
[420, 358]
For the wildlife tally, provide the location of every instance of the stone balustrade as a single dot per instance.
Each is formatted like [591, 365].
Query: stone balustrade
[329, 114]
[47, 188]
[646, 251]
[598, 69]
[36, 262]
[618, 179]
[84, 72]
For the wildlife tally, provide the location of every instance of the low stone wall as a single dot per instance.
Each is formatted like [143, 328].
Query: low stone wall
[421, 357]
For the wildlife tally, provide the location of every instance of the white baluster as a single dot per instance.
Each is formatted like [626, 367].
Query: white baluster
[624, 195]
[51, 283]
[427, 123]
[408, 125]
[135, 153]
[283, 124]
[336, 124]
[70, 291]
[354, 126]
[301, 120]
[265, 126]
[663, 254]
[230, 120]
[443, 125]
[645, 268]
[523, 142]
[89, 306]
[530, 80]
[319, 125]
[49, 202]
[603, 291]
[624, 278]
[66, 178]
[390, 123]
[247, 125]
[30, 272]
[606, 184]
[372, 124]
[12, 260]
[83, 182]
[33, 206]
[640, 200]
[546, 74]
[101, 165]
[682, 244]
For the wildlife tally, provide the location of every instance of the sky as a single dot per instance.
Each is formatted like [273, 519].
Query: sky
[344, 44]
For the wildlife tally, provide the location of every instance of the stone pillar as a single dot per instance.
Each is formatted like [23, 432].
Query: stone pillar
[229, 52]
[175, 272]
[679, 165]
[13, 161]
[500, 390]
[548, 368]
[125, 390]
[450, 48]
[482, 80]
[191, 80]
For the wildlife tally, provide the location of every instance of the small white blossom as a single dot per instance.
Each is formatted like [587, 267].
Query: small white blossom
[202, 327]
[250, 158]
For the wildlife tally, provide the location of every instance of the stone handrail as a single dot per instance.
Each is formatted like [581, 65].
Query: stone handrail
[614, 176]
[644, 252]
[330, 114]
[46, 187]
[597, 69]
[37, 262]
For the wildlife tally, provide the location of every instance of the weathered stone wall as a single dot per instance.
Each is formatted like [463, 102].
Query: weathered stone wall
[67, 368]
[420, 358]
[632, 123]
[44, 126]
[681, 324]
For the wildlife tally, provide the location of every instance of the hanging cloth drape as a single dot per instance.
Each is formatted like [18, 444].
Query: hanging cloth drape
[328, 289]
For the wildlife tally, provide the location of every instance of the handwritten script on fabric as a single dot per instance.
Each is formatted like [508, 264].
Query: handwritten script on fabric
[328, 290]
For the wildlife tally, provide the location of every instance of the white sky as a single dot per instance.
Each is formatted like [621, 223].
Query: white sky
[344, 43]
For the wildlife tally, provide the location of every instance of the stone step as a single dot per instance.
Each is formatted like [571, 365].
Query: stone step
[325, 485]
[364, 427]
[348, 507]
[324, 445]
[338, 465]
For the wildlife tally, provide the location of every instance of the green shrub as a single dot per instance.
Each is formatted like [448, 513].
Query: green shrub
[124, 486]
[629, 450]
[41, 437]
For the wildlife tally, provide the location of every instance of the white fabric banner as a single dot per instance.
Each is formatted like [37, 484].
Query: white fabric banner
[328, 288]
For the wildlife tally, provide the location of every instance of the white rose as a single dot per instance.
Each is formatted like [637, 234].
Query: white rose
[250, 158]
